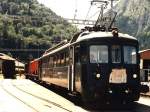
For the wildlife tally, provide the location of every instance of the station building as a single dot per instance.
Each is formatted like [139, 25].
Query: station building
[18, 65]
[145, 65]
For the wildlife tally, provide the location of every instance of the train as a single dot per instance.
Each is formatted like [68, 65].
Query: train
[102, 66]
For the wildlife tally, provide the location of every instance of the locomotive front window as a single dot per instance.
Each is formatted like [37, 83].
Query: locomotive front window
[129, 55]
[98, 54]
[116, 54]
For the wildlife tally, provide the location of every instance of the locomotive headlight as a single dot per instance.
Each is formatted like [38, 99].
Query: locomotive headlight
[98, 76]
[126, 91]
[134, 76]
[110, 91]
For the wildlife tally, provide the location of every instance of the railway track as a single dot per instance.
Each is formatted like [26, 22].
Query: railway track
[143, 105]
[23, 93]
[138, 106]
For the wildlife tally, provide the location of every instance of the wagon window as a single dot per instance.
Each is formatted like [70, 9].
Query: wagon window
[58, 60]
[51, 62]
[116, 54]
[55, 60]
[62, 59]
[67, 58]
[129, 55]
[98, 54]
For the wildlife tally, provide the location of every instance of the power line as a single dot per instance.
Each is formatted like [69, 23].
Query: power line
[81, 21]
[88, 12]
[93, 15]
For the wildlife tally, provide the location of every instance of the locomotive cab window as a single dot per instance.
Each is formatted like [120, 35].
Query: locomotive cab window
[116, 54]
[98, 54]
[130, 55]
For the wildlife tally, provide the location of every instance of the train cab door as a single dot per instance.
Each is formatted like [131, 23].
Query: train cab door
[77, 69]
[71, 71]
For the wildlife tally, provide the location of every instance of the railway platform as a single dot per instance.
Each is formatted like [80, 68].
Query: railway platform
[22, 95]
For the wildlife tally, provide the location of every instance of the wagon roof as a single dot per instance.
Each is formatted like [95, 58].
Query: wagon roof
[56, 50]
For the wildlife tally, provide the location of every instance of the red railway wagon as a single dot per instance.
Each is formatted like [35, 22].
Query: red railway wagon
[33, 69]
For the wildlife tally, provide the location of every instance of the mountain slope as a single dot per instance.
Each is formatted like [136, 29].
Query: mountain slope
[26, 24]
[134, 18]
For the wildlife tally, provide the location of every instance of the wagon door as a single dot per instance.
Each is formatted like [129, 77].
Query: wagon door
[71, 69]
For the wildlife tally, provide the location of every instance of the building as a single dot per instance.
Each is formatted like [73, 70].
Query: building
[145, 65]
[18, 65]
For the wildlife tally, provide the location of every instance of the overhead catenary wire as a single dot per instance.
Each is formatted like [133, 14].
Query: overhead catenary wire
[93, 15]
[92, 3]
[88, 12]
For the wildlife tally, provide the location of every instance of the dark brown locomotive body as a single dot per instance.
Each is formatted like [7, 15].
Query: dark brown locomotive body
[112, 77]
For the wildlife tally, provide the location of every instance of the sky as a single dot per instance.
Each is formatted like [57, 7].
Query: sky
[66, 8]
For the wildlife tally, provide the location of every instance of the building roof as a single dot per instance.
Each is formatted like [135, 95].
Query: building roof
[5, 57]
[145, 54]
[145, 50]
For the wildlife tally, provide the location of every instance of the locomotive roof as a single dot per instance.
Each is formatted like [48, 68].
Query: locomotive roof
[90, 35]
[5, 57]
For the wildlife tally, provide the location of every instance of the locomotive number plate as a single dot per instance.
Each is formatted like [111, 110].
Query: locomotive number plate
[118, 76]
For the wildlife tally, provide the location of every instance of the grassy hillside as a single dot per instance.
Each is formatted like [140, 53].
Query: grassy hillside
[26, 24]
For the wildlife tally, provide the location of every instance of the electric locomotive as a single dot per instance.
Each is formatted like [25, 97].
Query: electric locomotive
[100, 66]
[99, 63]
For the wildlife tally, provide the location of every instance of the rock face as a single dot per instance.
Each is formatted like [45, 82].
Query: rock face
[134, 18]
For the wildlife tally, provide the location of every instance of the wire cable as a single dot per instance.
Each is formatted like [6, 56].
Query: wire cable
[93, 15]
[88, 12]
